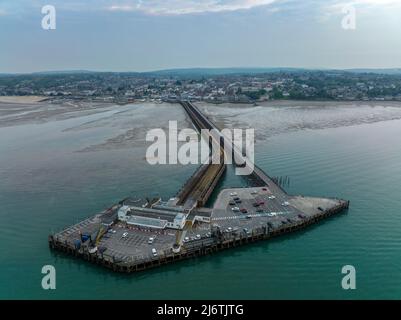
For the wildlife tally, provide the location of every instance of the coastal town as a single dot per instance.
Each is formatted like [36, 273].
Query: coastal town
[216, 86]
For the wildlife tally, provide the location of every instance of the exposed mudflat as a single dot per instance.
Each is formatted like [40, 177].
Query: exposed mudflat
[119, 127]
[272, 118]
[13, 113]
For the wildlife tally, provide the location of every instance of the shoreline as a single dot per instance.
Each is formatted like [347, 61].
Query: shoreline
[306, 103]
[280, 102]
[23, 99]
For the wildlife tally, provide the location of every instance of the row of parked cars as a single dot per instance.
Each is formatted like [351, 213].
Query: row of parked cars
[236, 201]
[236, 229]
[197, 237]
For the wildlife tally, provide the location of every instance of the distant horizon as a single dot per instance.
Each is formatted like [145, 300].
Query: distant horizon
[205, 69]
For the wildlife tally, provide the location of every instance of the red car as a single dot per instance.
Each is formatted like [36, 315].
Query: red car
[243, 210]
[261, 202]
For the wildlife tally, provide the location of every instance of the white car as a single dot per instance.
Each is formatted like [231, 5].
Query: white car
[235, 209]
[285, 204]
[154, 252]
[272, 197]
[150, 241]
[125, 234]
[198, 236]
[254, 192]
[186, 239]
[233, 194]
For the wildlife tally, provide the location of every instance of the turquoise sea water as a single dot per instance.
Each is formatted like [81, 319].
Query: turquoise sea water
[46, 185]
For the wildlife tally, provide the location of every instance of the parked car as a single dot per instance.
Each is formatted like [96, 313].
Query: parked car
[151, 239]
[231, 203]
[233, 194]
[243, 210]
[125, 234]
[235, 209]
[154, 252]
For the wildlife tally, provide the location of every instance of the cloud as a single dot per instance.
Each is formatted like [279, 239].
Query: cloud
[180, 7]
[335, 7]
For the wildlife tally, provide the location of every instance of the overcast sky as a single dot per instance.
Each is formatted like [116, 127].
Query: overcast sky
[140, 35]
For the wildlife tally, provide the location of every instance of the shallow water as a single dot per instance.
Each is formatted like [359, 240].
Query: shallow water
[45, 184]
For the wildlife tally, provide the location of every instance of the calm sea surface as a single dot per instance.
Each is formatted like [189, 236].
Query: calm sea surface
[58, 171]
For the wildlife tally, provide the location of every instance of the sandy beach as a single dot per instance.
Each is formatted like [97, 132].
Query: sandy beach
[21, 99]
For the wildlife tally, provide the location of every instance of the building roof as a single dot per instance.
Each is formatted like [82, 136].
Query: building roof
[151, 217]
[156, 214]
[147, 222]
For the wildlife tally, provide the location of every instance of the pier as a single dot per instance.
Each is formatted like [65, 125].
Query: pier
[136, 235]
